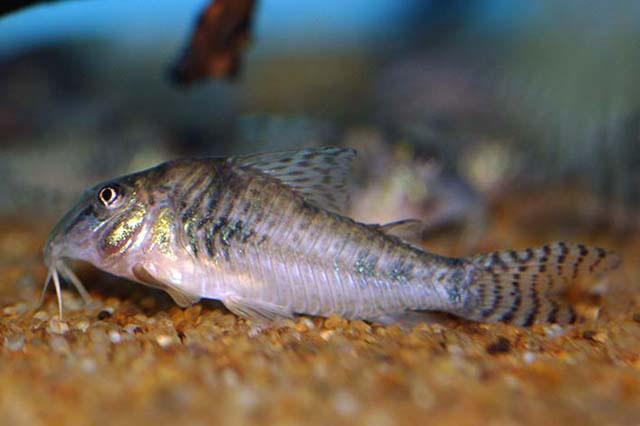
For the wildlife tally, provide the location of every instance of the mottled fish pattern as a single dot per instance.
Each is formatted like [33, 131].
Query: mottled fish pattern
[264, 234]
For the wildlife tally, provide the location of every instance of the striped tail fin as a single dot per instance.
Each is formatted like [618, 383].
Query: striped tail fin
[523, 287]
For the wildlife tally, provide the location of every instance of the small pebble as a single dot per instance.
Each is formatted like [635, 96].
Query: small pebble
[500, 346]
[422, 395]
[41, 316]
[529, 357]
[98, 335]
[88, 365]
[246, 397]
[72, 303]
[361, 326]
[164, 340]
[111, 302]
[57, 327]
[345, 403]
[512, 381]
[554, 330]
[304, 324]
[455, 350]
[320, 371]
[378, 417]
[230, 378]
[335, 321]
[60, 345]
[17, 309]
[326, 334]
[104, 314]
[115, 337]
[132, 329]
[595, 336]
[14, 343]
[82, 325]
[566, 357]
[590, 312]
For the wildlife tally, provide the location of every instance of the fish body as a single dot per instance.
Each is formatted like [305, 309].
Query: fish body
[263, 235]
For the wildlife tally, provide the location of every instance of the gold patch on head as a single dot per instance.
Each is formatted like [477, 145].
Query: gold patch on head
[120, 236]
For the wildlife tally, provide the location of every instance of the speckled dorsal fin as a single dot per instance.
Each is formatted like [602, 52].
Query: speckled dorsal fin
[408, 230]
[181, 298]
[318, 174]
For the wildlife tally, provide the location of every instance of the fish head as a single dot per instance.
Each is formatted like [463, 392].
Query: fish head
[102, 226]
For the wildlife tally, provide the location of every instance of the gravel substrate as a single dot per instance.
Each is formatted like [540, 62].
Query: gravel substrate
[133, 357]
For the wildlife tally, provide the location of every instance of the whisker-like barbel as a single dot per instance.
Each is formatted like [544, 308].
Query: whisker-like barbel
[56, 283]
[69, 275]
[56, 267]
[45, 286]
[264, 235]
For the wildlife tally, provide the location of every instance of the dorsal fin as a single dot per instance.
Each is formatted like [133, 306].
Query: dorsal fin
[319, 175]
[181, 298]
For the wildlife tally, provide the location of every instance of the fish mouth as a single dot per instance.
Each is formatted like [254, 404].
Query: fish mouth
[58, 268]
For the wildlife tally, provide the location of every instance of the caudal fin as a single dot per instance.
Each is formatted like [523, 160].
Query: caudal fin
[523, 287]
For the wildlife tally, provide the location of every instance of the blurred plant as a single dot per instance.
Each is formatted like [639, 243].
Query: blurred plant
[222, 34]
[220, 37]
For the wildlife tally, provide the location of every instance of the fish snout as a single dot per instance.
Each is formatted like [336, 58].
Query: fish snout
[64, 235]
[52, 249]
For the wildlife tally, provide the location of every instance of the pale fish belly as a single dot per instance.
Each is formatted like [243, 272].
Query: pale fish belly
[338, 275]
[284, 252]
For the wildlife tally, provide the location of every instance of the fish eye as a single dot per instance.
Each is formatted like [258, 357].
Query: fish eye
[108, 195]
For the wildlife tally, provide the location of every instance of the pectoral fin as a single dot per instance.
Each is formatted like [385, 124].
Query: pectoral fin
[255, 309]
[182, 298]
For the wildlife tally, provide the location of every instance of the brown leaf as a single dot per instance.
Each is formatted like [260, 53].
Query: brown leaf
[221, 35]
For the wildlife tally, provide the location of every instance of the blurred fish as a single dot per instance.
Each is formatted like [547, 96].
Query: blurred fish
[396, 179]
[552, 83]
[262, 234]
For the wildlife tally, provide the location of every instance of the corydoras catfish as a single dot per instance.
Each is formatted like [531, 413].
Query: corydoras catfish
[262, 234]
